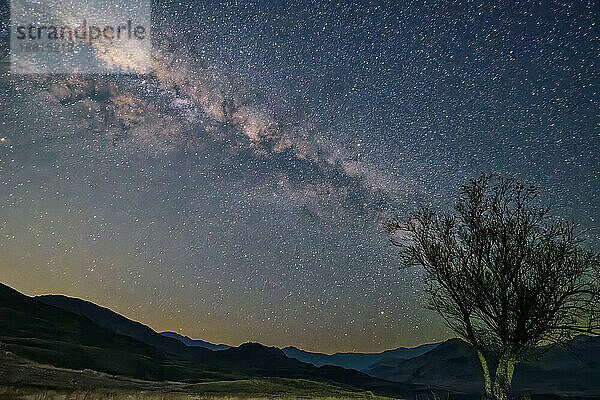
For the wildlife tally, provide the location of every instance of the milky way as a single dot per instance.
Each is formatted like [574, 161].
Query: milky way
[235, 192]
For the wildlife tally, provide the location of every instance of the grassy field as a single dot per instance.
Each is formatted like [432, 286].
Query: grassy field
[21, 379]
[231, 391]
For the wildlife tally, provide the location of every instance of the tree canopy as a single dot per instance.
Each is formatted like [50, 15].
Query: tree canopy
[503, 273]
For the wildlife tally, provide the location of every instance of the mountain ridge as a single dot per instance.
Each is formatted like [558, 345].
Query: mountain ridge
[573, 366]
[48, 334]
[194, 342]
[45, 333]
[119, 324]
[358, 361]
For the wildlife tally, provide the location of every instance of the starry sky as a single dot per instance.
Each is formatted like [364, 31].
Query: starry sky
[235, 193]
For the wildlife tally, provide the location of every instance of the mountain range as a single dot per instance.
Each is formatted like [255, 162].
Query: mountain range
[76, 334]
[175, 343]
[195, 342]
[357, 361]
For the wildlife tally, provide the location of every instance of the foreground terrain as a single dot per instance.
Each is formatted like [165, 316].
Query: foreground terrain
[22, 379]
[69, 339]
[57, 347]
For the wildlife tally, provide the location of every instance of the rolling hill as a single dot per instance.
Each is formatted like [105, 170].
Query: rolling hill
[572, 370]
[451, 364]
[45, 333]
[120, 325]
[22, 379]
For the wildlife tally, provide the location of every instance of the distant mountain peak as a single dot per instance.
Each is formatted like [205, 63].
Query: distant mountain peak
[250, 346]
[195, 342]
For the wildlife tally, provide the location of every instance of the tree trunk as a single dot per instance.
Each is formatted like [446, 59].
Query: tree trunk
[486, 375]
[504, 374]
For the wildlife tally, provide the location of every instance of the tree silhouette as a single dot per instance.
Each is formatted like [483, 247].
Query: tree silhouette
[504, 275]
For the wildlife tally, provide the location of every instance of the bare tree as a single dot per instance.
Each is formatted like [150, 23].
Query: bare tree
[503, 274]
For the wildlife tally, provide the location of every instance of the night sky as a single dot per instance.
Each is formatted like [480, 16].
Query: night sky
[236, 192]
